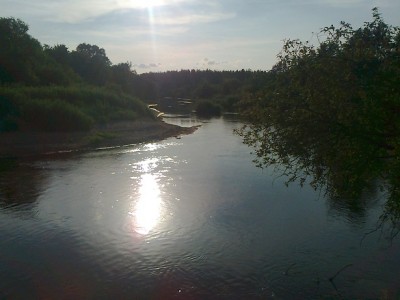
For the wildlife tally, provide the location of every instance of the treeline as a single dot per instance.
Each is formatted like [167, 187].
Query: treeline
[223, 88]
[83, 85]
[24, 60]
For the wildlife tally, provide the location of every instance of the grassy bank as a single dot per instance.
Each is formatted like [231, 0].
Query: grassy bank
[65, 109]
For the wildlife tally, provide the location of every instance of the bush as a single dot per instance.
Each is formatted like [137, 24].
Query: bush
[8, 115]
[54, 115]
[57, 108]
[207, 109]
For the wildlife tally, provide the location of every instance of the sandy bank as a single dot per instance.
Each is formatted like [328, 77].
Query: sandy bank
[20, 144]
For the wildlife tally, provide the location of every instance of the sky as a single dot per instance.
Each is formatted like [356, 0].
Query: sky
[160, 35]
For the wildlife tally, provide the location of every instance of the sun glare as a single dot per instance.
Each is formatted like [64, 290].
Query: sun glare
[147, 211]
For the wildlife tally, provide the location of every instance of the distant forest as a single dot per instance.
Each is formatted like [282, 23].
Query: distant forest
[75, 89]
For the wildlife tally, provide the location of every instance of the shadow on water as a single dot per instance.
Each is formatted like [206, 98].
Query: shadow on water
[352, 175]
[20, 183]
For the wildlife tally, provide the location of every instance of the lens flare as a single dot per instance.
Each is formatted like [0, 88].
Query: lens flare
[150, 12]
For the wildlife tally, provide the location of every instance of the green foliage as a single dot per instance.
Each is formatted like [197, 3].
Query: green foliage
[70, 108]
[207, 108]
[329, 113]
[91, 63]
[19, 52]
[206, 90]
[54, 115]
[123, 75]
[200, 84]
[53, 89]
[229, 103]
[23, 60]
[8, 115]
[99, 137]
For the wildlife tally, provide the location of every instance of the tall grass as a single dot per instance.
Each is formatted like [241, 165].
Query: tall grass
[59, 108]
[54, 115]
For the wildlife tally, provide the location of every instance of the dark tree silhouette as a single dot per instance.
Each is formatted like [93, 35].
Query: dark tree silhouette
[19, 52]
[329, 113]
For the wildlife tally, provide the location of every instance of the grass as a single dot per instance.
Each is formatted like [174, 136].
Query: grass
[99, 137]
[59, 108]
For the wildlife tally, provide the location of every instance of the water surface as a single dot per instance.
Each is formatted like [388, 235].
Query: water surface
[188, 218]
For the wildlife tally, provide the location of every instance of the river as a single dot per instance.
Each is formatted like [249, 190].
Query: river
[187, 218]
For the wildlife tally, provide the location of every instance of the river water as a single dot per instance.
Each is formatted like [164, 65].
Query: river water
[188, 218]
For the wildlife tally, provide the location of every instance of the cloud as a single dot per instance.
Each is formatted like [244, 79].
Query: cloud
[129, 33]
[77, 11]
[146, 66]
[172, 18]
[339, 3]
[158, 12]
[207, 63]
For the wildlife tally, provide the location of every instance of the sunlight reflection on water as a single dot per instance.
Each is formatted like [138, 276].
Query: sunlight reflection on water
[147, 210]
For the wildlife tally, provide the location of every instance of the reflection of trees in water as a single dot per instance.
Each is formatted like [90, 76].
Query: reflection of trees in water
[351, 185]
[20, 184]
[329, 116]
[355, 209]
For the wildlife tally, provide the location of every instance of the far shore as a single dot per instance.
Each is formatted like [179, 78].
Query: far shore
[24, 144]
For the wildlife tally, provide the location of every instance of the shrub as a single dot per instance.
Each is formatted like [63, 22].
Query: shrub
[8, 115]
[59, 108]
[207, 108]
[54, 115]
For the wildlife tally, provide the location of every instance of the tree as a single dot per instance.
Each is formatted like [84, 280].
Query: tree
[207, 109]
[94, 53]
[91, 63]
[19, 52]
[329, 113]
[123, 76]
[59, 53]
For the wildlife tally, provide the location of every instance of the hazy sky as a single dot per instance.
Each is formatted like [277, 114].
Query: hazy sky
[159, 35]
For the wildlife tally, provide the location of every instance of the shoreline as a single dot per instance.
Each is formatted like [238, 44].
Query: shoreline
[27, 144]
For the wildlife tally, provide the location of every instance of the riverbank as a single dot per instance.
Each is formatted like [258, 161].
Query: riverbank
[22, 144]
